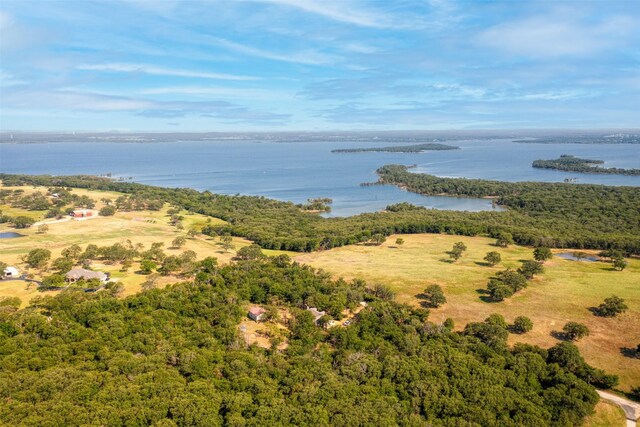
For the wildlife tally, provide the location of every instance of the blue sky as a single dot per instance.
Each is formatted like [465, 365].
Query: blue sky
[176, 65]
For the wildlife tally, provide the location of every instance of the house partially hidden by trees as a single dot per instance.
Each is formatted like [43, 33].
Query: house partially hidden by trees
[81, 273]
[256, 313]
[317, 314]
[82, 213]
[10, 272]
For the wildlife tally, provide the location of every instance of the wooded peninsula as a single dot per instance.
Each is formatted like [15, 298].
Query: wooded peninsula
[570, 163]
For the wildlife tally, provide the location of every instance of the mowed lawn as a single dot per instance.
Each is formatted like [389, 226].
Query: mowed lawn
[564, 292]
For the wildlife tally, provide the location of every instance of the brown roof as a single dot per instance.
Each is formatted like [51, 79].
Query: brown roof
[257, 311]
[81, 273]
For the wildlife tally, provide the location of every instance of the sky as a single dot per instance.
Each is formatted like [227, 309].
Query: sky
[282, 65]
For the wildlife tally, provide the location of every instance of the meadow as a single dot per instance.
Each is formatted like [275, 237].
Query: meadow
[144, 227]
[564, 292]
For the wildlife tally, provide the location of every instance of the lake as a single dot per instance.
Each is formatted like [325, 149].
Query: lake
[296, 171]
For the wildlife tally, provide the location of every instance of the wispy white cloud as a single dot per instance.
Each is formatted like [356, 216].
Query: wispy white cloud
[160, 71]
[342, 11]
[75, 100]
[559, 35]
[224, 92]
[308, 57]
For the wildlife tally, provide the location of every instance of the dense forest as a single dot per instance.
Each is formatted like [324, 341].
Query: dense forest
[576, 164]
[415, 148]
[539, 214]
[175, 357]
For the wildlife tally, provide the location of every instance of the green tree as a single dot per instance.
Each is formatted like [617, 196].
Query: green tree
[383, 292]
[497, 320]
[62, 264]
[449, 323]
[399, 241]
[53, 281]
[178, 242]
[530, 268]
[72, 252]
[107, 211]
[542, 254]
[251, 252]
[455, 254]
[147, 266]
[22, 221]
[515, 280]
[498, 290]
[43, 228]
[619, 263]
[226, 241]
[460, 246]
[504, 239]
[521, 325]
[378, 239]
[612, 306]
[575, 331]
[492, 258]
[434, 296]
[37, 258]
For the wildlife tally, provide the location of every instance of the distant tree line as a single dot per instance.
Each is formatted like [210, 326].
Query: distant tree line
[540, 214]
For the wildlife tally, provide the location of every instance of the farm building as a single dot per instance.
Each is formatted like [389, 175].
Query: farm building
[81, 273]
[83, 213]
[10, 273]
[256, 313]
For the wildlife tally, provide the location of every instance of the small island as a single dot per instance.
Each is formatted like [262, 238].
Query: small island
[570, 163]
[416, 148]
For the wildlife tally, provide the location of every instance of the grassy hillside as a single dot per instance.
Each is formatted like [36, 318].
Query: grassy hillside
[563, 293]
[145, 227]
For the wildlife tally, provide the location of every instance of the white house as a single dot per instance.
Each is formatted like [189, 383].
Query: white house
[10, 273]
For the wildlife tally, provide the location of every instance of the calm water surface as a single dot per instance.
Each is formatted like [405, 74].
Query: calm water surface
[302, 170]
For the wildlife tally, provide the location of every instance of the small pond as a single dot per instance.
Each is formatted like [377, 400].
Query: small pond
[10, 235]
[571, 256]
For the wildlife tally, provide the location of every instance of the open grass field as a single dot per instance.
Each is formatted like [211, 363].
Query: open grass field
[607, 415]
[145, 227]
[564, 292]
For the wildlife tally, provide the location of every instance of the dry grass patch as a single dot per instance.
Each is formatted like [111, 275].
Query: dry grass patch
[607, 415]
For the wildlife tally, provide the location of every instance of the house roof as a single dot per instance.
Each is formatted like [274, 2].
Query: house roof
[257, 311]
[316, 313]
[81, 273]
[11, 270]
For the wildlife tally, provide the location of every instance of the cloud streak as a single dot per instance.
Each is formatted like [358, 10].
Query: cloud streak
[160, 71]
[73, 100]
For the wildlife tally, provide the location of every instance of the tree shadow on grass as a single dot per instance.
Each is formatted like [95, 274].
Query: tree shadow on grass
[559, 335]
[448, 261]
[482, 264]
[427, 304]
[629, 352]
[608, 269]
[596, 311]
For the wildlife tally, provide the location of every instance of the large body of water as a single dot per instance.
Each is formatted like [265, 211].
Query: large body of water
[301, 170]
